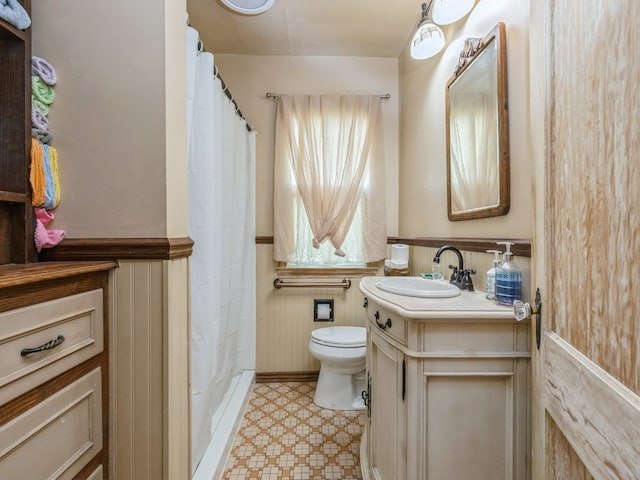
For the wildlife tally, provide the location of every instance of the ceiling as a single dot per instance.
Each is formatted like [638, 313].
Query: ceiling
[359, 28]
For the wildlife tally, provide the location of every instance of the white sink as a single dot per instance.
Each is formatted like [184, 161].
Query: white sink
[418, 287]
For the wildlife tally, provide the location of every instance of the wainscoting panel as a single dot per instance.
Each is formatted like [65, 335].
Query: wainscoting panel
[149, 352]
[285, 317]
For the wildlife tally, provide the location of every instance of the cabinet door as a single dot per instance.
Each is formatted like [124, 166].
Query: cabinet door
[476, 417]
[387, 432]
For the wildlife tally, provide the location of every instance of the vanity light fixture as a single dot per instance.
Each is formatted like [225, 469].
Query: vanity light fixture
[429, 38]
[445, 12]
[248, 7]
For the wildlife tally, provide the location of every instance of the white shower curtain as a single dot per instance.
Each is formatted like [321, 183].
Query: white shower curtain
[221, 223]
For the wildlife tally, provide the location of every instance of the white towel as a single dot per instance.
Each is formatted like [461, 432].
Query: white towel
[12, 12]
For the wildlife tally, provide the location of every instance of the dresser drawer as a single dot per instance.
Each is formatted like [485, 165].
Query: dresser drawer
[76, 318]
[387, 322]
[57, 437]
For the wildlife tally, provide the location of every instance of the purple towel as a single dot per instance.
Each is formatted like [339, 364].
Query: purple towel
[38, 120]
[42, 68]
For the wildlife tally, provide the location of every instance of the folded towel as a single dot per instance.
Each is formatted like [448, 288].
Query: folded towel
[42, 136]
[43, 69]
[41, 90]
[38, 120]
[38, 105]
[14, 13]
[53, 153]
[44, 238]
[50, 186]
[37, 174]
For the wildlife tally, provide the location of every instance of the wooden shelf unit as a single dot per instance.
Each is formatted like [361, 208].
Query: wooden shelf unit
[16, 214]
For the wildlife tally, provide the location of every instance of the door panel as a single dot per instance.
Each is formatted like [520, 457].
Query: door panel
[586, 149]
[564, 462]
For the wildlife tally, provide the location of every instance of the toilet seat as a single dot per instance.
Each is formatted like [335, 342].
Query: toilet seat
[340, 337]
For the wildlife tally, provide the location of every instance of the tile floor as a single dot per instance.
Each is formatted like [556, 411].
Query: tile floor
[285, 436]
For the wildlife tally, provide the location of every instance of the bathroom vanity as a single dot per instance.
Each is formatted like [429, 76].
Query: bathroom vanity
[54, 319]
[447, 388]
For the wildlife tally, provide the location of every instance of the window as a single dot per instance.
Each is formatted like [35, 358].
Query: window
[328, 187]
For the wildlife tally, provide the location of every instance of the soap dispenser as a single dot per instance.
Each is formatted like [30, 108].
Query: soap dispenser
[491, 275]
[508, 278]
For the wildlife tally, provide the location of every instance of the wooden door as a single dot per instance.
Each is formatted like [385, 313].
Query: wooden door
[585, 125]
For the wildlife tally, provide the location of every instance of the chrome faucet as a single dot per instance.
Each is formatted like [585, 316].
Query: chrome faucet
[460, 277]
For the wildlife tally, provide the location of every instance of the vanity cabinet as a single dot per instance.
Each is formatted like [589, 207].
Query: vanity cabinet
[54, 370]
[448, 389]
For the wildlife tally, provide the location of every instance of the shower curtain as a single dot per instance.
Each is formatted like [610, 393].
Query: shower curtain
[221, 222]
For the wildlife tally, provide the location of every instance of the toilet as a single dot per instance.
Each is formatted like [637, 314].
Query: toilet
[342, 355]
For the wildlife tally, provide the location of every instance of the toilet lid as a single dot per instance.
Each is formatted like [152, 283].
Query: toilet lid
[340, 336]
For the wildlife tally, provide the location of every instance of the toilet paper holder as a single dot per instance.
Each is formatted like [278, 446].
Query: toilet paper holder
[323, 310]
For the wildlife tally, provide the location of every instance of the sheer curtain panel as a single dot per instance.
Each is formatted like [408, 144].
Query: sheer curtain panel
[327, 158]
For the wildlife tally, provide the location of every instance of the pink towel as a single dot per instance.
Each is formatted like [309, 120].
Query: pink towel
[45, 238]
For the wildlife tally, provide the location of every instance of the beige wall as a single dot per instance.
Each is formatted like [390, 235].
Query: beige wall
[422, 202]
[250, 77]
[120, 68]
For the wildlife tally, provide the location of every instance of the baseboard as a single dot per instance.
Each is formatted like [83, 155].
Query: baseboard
[281, 377]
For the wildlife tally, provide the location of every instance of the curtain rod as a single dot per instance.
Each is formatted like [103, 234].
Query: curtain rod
[225, 89]
[386, 96]
[227, 92]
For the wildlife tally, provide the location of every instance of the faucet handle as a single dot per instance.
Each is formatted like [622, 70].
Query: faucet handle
[467, 284]
[455, 274]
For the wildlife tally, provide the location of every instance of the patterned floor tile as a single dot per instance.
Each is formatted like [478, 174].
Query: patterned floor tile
[285, 436]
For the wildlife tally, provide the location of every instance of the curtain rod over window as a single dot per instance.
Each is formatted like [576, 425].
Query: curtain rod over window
[386, 96]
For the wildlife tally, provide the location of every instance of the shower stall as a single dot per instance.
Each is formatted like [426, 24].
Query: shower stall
[221, 219]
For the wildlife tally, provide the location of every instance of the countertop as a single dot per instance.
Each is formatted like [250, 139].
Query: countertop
[466, 305]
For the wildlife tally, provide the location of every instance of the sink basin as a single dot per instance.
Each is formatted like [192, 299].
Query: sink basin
[418, 287]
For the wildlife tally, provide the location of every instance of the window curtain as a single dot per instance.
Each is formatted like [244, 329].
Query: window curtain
[328, 155]
[474, 152]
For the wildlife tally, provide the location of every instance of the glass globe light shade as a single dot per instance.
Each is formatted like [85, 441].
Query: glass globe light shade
[427, 41]
[445, 12]
[248, 7]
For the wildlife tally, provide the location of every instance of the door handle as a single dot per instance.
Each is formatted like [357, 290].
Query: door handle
[522, 310]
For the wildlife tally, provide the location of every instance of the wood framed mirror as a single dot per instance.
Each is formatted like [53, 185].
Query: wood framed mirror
[478, 130]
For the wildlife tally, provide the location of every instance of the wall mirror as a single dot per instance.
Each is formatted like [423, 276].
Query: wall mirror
[478, 130]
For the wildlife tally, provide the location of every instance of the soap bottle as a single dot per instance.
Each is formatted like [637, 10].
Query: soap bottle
[508, 278]
[491, 275]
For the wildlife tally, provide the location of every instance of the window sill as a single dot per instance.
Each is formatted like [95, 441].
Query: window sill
[326, 271]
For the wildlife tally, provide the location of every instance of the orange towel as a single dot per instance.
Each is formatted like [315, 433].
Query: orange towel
[37, 174]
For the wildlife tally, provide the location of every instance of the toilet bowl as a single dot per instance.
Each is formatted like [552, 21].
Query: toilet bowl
[342, 355]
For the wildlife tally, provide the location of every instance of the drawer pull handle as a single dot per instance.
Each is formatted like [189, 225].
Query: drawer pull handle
[47, 346]
[385, 325]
